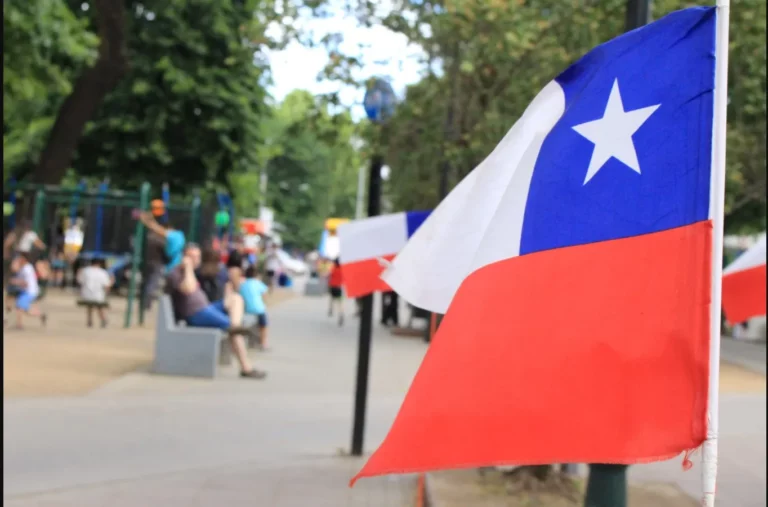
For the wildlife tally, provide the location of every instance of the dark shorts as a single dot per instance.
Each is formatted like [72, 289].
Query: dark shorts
[335, 292]
[262, 319]
[214, 315]
[270, 274]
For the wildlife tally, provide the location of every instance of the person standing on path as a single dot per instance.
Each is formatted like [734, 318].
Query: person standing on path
[174, 239]
[165, 247]
[272, 266]
[335, 282]
[153, 268]
[389, 308]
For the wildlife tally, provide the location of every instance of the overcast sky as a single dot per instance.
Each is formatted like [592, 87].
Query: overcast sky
[387, 54]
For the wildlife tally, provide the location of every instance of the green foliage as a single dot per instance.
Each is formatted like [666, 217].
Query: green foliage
[192, 110]
[311, 167]
[45, 46]
[488, 58]
[188, 112]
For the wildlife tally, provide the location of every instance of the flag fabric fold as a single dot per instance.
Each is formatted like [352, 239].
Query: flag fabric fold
[574, 266]
[366, 247]
[744, 285]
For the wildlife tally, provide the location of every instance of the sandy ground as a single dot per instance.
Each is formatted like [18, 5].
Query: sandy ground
[68, 359]
[734, 379]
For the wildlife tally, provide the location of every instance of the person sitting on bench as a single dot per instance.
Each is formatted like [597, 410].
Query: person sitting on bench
[94, 281]
[192, 305]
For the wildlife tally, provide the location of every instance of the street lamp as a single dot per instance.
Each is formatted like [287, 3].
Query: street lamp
[379, 103]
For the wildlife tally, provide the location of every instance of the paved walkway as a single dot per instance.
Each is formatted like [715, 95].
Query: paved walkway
[741, 461]
[748, 354]
[162, 441]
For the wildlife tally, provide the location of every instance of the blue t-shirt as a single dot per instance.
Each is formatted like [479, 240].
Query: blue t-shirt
[252, 290]
[174, 248]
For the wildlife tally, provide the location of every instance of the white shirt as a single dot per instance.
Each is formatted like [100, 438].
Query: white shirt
[26, 241]
[73, 236]
[93, 282]
[27, 273]
[273, 262]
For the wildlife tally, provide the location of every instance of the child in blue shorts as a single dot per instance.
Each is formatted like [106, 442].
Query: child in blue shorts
[28, 290]
[252, 290]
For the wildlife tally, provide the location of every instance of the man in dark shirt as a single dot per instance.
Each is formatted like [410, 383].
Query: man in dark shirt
[154, 268]
[191, 305]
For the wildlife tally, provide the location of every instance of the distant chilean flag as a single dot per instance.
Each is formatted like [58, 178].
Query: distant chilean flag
[744, 285]
[369, 244]
[574, 266]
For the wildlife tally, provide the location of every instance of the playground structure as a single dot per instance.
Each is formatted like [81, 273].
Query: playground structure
[110, 230]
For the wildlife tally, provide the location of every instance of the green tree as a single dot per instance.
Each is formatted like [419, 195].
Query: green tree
[311, 166]
[189, 110]
[87, 94]
[504, 53]
[45, 48]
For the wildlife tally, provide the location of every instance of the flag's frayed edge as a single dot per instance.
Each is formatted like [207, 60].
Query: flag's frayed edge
[639, 461]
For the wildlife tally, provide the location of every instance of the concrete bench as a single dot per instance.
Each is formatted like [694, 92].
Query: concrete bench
[192, 351]
[187, 351]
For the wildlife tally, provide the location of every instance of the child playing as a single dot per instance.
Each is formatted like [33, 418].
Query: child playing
[25, 280]
[252, 290]
[94, 281]
[58, 265]
[335, 281]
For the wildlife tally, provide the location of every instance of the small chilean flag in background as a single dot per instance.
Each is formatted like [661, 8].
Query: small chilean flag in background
[744, 285]
[367, 246]
[574, 266]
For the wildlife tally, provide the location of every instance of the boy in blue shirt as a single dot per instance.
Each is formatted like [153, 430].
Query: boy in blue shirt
[252, 290]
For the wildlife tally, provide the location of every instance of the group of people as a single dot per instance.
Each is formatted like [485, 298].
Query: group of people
[206, 292]
[29, 272]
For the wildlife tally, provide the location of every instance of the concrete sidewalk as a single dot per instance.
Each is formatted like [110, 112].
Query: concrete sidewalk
[747, 354]
[161, 441]
[149, 441]
[741, 460]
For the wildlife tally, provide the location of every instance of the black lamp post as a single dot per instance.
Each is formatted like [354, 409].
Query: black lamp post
[379, 103]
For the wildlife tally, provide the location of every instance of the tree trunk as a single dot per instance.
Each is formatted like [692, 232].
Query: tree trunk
[87, 95]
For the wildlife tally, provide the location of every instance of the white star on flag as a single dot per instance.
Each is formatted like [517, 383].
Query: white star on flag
[612, 134]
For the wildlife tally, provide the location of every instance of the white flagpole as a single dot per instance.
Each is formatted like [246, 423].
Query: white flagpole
[717, 208]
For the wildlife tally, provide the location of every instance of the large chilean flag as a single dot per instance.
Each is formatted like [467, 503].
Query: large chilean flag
[367, 245]
[574, 266]
[744, 285]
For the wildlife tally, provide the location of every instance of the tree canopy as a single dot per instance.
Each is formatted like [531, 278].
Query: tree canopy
[311, 167]
[486, 60]
[189, 103]
[46, 46]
